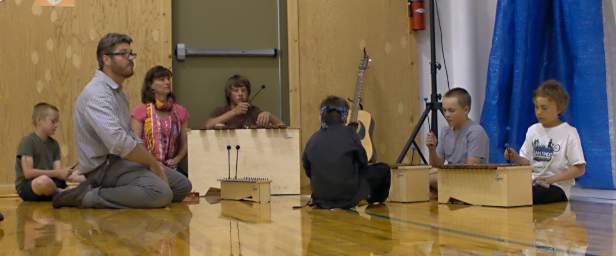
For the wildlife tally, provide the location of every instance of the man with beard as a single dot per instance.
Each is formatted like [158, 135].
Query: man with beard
[120, 172]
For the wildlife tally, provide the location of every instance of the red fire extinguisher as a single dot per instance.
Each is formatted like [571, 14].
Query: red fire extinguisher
[416, 14]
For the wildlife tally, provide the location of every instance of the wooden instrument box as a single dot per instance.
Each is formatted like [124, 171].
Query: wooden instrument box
[410, 183]
[246, 188]
[486, 184]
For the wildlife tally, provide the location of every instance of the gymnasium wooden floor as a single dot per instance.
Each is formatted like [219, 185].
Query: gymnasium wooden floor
[238, 228]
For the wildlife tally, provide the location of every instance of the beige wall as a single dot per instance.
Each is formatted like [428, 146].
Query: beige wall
[49, 54]
[325, 43]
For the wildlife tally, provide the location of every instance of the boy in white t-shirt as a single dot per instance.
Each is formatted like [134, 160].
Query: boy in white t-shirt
[551, 146]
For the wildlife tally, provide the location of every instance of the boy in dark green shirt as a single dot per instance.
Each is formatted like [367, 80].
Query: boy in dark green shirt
[38, 170]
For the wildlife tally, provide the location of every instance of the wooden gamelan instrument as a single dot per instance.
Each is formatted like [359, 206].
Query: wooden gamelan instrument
[254, 189]
[503, 185]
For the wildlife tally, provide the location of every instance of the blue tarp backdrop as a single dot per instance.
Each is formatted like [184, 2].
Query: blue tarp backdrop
[534, 41]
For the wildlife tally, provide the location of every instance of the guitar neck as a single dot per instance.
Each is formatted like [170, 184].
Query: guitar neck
[359, 86]
[358, 92]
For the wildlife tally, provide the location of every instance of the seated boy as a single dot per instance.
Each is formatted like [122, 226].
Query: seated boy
[551, 146]
[239, 112]
[39, 172]
[463, 142]
[337, 165]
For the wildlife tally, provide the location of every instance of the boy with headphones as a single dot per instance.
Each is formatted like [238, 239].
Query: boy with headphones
[337, 165]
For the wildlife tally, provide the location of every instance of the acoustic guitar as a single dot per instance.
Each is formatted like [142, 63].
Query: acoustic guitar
[364, 120]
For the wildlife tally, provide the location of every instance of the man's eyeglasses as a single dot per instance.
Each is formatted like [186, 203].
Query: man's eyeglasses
[123, 54]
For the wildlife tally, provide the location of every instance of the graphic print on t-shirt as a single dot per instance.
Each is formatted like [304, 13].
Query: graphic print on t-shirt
[543, 153]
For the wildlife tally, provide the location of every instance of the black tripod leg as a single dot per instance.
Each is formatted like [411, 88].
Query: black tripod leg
[411, 139]
[420, 154]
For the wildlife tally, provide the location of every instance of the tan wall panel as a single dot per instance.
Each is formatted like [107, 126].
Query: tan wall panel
[331, 37]
[49, 54]
[293, 55]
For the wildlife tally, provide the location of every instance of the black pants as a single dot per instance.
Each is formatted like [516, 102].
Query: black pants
[374, 187]
[378, 177]
[543, 195]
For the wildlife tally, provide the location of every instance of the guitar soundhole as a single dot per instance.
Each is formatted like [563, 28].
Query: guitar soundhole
[361, 130]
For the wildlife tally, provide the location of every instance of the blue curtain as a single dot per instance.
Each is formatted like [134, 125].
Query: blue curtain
[536, 40]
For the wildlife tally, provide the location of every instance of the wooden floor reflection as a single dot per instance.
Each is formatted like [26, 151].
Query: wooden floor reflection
[239, 228]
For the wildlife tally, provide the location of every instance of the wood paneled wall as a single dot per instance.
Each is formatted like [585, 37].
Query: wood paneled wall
[49, 54]
[326, 39]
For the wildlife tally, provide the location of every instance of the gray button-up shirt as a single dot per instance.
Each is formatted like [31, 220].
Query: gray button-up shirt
[102, 123]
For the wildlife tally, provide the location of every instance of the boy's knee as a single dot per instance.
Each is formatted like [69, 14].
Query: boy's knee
[43, 185]
[42, 180]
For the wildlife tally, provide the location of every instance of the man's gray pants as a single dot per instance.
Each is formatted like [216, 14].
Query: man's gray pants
[126, 184]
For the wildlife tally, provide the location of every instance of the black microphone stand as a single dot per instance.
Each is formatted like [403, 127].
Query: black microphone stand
[237, 156]
[229, 161]
[257, 93]
[434, 105]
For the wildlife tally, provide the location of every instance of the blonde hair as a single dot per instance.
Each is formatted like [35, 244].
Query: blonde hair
[554, 91]
[41, 110]
[464, 98]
